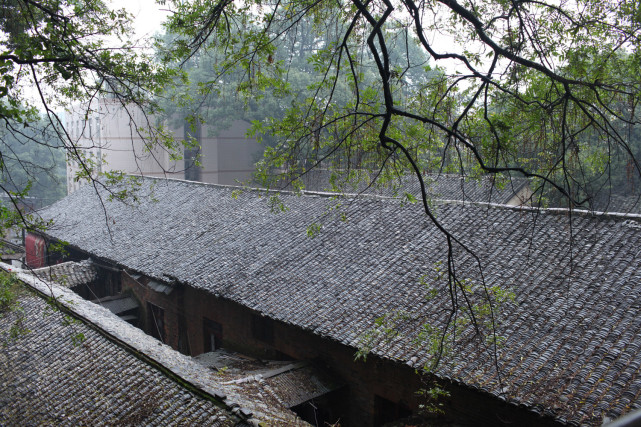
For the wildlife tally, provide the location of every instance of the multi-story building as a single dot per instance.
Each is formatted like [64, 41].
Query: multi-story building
[224, 157]
[115, 137]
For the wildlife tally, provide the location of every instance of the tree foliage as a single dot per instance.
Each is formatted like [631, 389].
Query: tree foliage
[37, 170]
[215, 91]
[526, 86]
[55, 54]
[544, 90]
[540, 89]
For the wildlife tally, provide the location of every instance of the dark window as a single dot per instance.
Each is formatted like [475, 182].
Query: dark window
[263, 329]
[326, 410]
[183, 337]
[387, 411]
[156, 321]
[212, 334]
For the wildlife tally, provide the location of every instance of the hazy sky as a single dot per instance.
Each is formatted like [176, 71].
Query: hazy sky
[148, 15]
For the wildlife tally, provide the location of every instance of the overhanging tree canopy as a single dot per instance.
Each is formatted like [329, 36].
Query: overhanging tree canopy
[534, 88]
[55, 54]
[543, 89]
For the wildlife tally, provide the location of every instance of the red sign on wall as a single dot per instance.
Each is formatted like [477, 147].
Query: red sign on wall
[36, 250]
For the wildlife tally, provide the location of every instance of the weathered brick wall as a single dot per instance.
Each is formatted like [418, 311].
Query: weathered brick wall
[169, 304]
[233, 317]
[364, 379]
[395, 382]
[186, 307]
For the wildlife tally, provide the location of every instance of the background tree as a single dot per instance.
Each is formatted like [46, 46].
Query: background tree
[218, 89]
[35, 169]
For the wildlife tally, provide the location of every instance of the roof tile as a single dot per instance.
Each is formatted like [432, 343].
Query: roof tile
[577, 288]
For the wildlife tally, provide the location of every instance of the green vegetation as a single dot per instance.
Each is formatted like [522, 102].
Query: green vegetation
[543, 90]
[527, 89]
[34, 165]
[10, 291]
[9, 286]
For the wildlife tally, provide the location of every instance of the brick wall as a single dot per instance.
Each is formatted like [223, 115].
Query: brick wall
[170, 305]
[395, 383]
[364, 379]
[185, 309]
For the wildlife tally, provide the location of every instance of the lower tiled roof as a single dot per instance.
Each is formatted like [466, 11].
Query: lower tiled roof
[115, 375]
[46, 379]
[290, 383]
[69, 274]
[572, 346]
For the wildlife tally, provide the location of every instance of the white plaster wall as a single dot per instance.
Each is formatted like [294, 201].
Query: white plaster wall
[229, 157]
[522, 198]
[117, 138]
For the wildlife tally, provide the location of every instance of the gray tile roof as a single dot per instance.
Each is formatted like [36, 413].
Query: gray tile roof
[10, 250]
[47, 380]
[290, 383]
[572, 337]
[618, 203]
[457, 187]
[119, 304]
[69, 274]
[117, 376]
[300, 385]
[438, 186]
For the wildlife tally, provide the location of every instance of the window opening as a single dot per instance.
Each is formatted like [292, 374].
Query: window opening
[387, 410]
[156, 321]
[263, 328]
[212, 335]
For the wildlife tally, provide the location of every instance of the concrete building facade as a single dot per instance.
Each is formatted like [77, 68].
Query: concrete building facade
[227, 157]
[114, 137]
